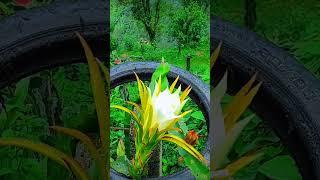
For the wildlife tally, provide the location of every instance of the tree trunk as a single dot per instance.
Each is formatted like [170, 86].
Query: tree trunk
[250, 16]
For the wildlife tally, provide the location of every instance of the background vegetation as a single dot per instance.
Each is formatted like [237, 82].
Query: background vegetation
[61, 96]
[291, 24]
[174, 35]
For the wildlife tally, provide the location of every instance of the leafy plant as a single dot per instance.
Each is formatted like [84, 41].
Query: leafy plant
[226, 128]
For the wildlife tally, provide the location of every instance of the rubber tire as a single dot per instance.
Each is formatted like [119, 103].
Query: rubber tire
[200, 94]
[289, 99]
[43, 38]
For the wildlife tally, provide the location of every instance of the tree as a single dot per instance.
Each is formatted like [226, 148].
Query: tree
[188, 24]
[148, 12]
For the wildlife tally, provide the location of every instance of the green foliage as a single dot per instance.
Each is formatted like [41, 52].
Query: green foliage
[130, 41]
[121, 163]
[203, 3]
[198, 169]
[148, 12]
[17, 121]
[161, 71]
[280, 167]
[77, 111]
[188, 25]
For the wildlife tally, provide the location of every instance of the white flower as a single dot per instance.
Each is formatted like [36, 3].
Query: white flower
[167, 107]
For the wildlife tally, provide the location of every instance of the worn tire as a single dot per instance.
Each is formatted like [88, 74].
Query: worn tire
[200, 94]
[289, 99]
[44, 38]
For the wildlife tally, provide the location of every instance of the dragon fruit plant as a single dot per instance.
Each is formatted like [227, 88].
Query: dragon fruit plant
[159, 111]
[226, 128]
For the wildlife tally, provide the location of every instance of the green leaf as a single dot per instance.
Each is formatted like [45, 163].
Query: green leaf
[198, 169]
[21, 93]
[121, 165]
[161, 71]
[121, 149]
[183, 126]
[197, 115]
[281, 167]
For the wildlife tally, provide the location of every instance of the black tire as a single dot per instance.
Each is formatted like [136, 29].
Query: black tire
[44, 38]
[290, 97]
[200, 94]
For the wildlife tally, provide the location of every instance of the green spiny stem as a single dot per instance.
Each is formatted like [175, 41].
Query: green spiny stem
[142, 156]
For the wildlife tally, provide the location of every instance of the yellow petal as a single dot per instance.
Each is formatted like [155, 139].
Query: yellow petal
[173, 84]
[242, 162]
[185, 93]
[215, 55]
[240, 103]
